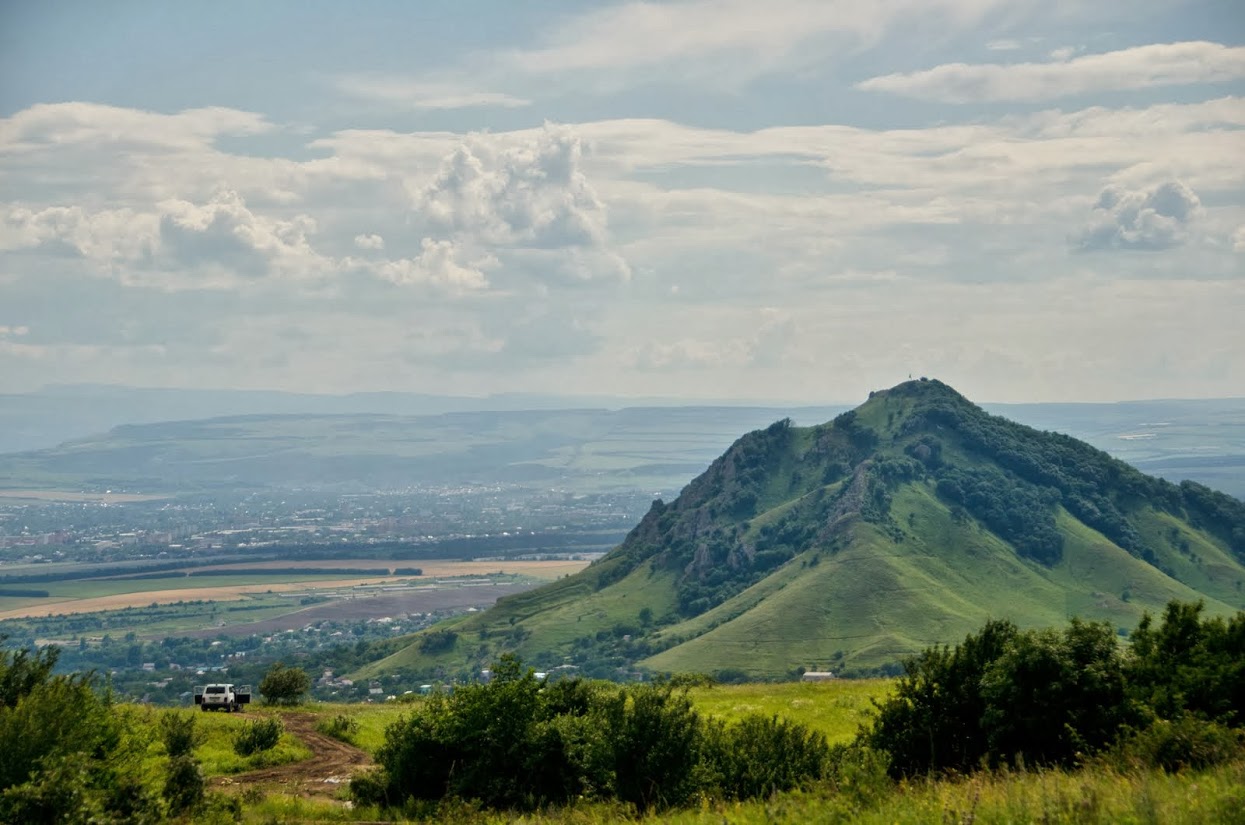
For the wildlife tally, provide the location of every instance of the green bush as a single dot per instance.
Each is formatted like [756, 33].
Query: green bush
[759, 755]
[258, 736]
[179, 733]
[183, 784]
[1172, 746]
[519, 745]
[341, 727]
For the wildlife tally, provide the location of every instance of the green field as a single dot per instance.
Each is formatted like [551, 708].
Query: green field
[67, 591]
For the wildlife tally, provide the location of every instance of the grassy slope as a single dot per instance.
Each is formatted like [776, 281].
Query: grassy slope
[878, 600]
[550, 618]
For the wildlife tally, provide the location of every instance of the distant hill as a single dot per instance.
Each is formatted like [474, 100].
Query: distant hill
[581, 450]
[53, 415]
[379, 442]
[845, 546]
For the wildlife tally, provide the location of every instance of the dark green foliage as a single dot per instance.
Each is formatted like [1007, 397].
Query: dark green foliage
[1014, 510]
[1096, 488]
[1054, 697]
[1187, 742]
[934, 721]
[759, 756]
[64, 752]
[517, 744]
[437, 641]
[56, 795]
[653, 733]
[283, 685]
[179, 734]
[1217, 512]
[23, 670]
[184, 785]
[258, 736]
[1188, 664]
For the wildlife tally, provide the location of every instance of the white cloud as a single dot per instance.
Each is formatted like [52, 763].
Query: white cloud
[372, 241]
[534, 194]
[422, 94]
[15, 331]
[59, 124]
[1153, 219]
[437, 265]
[1141, 67]
[1238, 239]
[643, 34]
[223, 233]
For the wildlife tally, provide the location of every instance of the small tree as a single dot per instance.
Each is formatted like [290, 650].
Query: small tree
[284, 685]
[179, 733]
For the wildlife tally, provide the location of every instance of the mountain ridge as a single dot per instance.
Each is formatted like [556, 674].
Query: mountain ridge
[849, 544]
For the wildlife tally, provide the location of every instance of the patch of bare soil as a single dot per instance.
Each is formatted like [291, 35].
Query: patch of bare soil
[322, 776]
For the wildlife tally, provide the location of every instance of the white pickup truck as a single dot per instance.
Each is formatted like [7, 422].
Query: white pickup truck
[222, 697]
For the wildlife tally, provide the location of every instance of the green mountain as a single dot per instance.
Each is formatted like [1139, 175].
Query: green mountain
[904, 523]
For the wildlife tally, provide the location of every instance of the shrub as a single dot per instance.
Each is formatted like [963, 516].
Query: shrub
[1172, 746]
[514, 744]
[654, 733]
[759, 756]
[258, 736]
[183, 785]
[179, 733]
[341, 727]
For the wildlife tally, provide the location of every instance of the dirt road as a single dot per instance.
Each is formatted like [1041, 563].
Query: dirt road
[322, 776]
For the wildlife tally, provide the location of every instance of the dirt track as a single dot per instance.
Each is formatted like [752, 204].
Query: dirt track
[323, 775]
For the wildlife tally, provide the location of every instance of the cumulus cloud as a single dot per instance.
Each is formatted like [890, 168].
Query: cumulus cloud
[1142, 67]
[1150, 219]
[534, 194]
[372, 242]
[224, 232]
[438, 265]
[108, 237]
[530, 200]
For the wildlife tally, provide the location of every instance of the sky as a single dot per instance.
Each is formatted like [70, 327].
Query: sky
[788, 201]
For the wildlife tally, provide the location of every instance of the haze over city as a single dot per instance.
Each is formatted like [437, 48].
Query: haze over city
[1031, 201]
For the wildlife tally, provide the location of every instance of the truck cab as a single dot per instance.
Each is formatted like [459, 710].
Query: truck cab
[224, 697]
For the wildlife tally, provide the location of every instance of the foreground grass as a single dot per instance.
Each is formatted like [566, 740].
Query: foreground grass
[217, 756]
[1093, 795]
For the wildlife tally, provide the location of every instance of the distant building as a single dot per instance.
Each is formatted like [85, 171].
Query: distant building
[817, 676]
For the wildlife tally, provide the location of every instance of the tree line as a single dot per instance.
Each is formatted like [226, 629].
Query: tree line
[1173, 699]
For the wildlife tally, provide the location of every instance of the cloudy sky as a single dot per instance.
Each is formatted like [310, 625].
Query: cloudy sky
[796, 200]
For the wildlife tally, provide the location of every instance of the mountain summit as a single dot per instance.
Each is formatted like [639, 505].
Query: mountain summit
[906, 522]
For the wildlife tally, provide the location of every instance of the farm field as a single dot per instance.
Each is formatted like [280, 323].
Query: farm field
[233, 582]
